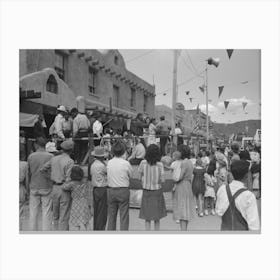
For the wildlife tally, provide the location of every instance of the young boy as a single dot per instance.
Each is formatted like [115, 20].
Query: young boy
[235, 203]
[119, 171]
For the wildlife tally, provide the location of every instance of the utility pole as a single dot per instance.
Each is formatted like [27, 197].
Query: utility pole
[174, 92]
[206, 89]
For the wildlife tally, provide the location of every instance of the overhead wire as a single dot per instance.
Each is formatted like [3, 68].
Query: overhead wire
[190, 59]
[180, 84]
[139, 56]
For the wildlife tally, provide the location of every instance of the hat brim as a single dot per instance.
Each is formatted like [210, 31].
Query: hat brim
[102, 155]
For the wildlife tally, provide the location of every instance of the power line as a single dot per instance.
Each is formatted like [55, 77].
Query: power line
[190, 59]
[182, 83]
[139, 56]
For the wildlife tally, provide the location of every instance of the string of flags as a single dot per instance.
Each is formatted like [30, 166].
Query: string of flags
[226, 104]
[229, 53]
[244, 104]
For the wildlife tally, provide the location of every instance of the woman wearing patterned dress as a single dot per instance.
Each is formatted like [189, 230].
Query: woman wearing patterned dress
[152, 173]
[80, 213]
[183, 201]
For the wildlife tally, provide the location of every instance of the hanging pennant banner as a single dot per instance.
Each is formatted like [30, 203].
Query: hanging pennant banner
[221, 88]
[164, 94]
[191, 99]
[229, 53]
[226, 104]
[201, 88]
[244, 104]
[187, 92]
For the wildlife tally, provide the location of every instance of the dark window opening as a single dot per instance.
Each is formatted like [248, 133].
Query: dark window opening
[145, 103]
[52, 84]
[133, 98]
[60, 65]
[116, 96]
[91, 80]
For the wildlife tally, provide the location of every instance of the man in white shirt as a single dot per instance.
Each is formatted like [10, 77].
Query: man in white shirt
[236, 204]
[119, 171]
[97, 130]
[138, 153]
[58, 130]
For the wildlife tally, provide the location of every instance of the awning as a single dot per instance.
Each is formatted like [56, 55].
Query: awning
[28, 120]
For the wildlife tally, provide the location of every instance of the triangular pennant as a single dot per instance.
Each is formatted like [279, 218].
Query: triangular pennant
[164, 94]
[187, 92]
[221, 88]
[201, 88]
[191, 99]
[226, 104]
[244, 104]
[229, 53]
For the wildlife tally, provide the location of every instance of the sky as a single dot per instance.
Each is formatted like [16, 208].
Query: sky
[240, 76]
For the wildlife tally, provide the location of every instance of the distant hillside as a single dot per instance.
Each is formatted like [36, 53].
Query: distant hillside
[238, 127]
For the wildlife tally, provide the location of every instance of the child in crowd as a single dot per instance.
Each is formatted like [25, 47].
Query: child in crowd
[221, 172]
[152, 173]
[209, 195]
[198, 185]
[80, 213]
[99, 181]
[119, 171]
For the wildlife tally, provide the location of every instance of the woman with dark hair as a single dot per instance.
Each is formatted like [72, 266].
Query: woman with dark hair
[210, 194]
[183, 201]
[81, 206]
[152, 173]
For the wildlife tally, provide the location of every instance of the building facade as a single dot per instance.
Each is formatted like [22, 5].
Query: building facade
[100, 78]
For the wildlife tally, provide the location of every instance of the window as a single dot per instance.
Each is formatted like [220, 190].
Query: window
[116, 96]
[116, 60]
[145, 103]
[52, 84]
[92, 80]
[60, 65]
[133, 98]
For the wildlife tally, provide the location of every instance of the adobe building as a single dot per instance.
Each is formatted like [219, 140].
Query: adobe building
[94, 80]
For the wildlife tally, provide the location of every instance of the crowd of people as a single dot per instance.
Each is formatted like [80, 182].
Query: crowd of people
[218, 182]
[72, 124]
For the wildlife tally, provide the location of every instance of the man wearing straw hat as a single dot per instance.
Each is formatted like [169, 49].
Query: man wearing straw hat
[60, 167]
[99, 181]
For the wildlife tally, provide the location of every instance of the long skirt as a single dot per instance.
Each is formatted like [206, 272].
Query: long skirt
[183, 201]
[153, 205]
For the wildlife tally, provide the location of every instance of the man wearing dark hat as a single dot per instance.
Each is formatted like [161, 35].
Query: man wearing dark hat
[236, 204]
[81, 125]
[40, 187]
[60, 167]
